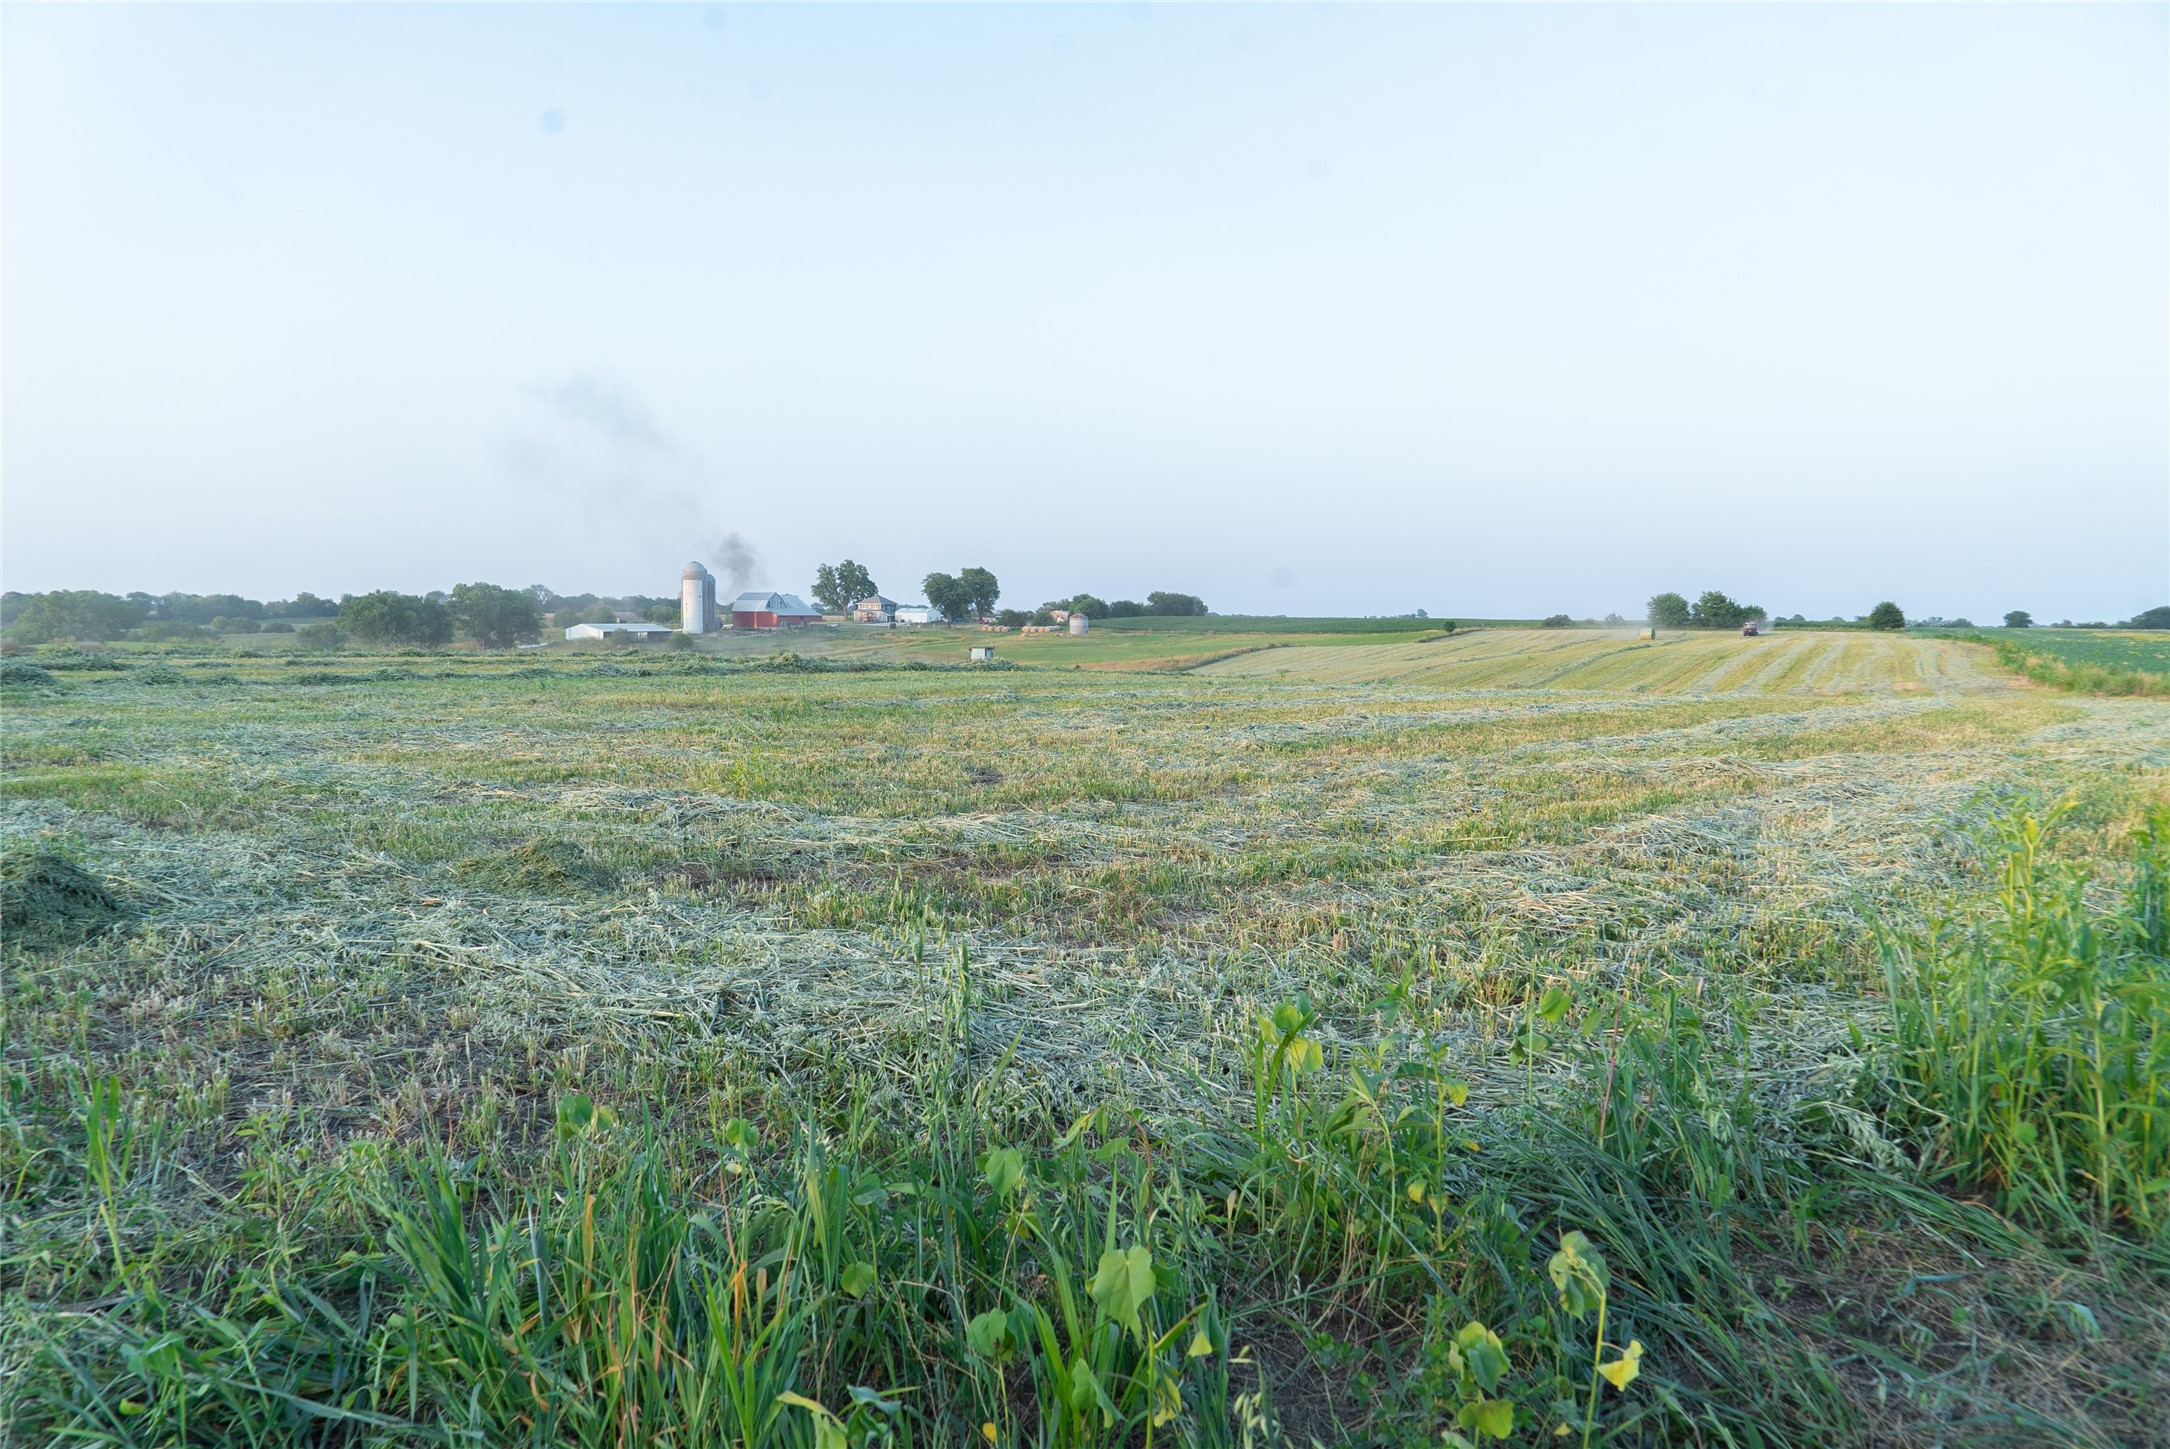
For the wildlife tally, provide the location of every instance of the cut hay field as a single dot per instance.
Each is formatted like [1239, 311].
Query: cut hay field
[1105, 650]
[1615, 660]
[640, 1050]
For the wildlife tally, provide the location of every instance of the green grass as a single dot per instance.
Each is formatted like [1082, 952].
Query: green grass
[614, 1050]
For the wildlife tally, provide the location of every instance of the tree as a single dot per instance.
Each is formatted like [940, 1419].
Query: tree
[1715, 611]
[1158, 602]
[1669, 610]
[387, 617]
[838, 586]
[1013, 618]
[1557, 621]
[1086, 604]
[980, 587]
[496, 617]
[2155, 618]
[1125, 609]
[1886, 615]
[2019, 619]
[947, 595]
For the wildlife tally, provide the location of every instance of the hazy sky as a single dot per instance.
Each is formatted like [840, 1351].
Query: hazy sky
[1306, 309]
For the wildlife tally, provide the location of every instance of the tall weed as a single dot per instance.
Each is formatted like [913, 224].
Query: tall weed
[2029, 1051]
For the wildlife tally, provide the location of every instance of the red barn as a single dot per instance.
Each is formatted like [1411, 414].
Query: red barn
[757, 609]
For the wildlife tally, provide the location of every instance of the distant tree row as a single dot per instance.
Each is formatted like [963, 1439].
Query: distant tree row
[94, 617]
[2155, 618]
[491, 615]
[1713, 610]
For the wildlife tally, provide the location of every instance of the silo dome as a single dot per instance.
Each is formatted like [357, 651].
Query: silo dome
[693, 571]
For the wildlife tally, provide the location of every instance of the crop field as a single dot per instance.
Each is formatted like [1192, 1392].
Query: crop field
[1615, 660]
[1519, 1036]
[2137, 651]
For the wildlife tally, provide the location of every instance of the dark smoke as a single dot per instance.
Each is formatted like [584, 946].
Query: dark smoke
[734, 561]
[595, 443]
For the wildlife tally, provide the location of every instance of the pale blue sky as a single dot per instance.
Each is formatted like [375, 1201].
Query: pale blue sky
[1341, 309]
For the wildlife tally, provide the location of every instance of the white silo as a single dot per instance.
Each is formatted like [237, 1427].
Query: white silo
[1079, 624]
[697, 600]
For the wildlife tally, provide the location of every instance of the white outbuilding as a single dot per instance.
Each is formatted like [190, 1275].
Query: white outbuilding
[639, 633]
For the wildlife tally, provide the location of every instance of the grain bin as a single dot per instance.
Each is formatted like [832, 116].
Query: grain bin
[1079, 624]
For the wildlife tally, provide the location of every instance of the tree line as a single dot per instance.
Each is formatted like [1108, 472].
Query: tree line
[1715, 610]
[93, 617]
[492, 615]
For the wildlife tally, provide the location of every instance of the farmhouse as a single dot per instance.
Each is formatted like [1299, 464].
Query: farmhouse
[640, 633]
[876, 610]
[760, 609]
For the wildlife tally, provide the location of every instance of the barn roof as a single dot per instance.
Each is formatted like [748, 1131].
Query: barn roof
[621, 627]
